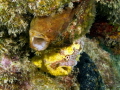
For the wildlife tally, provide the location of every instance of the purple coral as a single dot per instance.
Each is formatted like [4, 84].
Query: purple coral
[6, 61]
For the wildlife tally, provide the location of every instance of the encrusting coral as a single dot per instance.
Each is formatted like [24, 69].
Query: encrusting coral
[105, 64]
[112, 8]
[107, 34]
[12, 12]
[59, 54]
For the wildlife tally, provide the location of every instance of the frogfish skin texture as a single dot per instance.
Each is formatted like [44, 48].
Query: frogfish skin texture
[44, 30]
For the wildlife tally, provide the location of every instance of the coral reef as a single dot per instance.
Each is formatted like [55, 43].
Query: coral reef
[106, 31]
[108, 67]
[12, 12]
[23, 74]
[10, 73]
[57, 26]
[107, 34]
[109, 10]
[42, 81]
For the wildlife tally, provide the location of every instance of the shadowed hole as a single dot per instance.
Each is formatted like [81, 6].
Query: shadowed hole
[65, 68]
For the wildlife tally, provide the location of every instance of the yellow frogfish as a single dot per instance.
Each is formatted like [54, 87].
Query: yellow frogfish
[59, 62]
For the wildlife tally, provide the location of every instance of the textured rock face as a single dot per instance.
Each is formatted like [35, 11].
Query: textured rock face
[107, 63]
[15, 53]
[112, 8]
[12, 12]
[107, 34]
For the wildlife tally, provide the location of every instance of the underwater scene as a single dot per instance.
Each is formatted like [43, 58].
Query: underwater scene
[59, 45]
